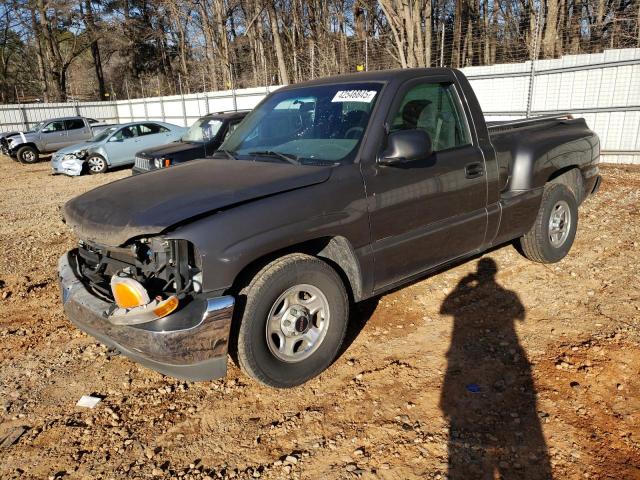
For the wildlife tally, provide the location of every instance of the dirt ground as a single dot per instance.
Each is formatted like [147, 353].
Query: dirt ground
[531, 373]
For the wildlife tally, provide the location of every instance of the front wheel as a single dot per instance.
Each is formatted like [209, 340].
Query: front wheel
[294, 321]
[554, 230]
[96, 164]
[27, 154]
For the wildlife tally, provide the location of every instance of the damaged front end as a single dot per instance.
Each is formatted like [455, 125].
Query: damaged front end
[146, 301]
[72, 164]
[145, 281]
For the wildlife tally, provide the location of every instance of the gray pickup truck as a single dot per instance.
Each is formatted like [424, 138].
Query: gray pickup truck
[328, 193]
[48, 136]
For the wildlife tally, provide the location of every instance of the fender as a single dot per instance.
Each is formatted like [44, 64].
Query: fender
[15, 147]
[331, 219]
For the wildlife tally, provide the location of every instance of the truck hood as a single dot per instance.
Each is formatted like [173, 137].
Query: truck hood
[18, 138]
[152, 203]
[169, 149]
[8, 134]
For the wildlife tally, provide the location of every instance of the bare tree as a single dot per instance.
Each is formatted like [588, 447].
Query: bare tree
[277, 42]
[94, 36]
[223, 43]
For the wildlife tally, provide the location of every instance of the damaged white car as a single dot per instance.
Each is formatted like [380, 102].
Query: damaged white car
[67, 164]
[114, 146]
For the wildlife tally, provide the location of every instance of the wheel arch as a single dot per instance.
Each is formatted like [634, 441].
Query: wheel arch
[27, 144]
[571, 177]
[100, 153]
[337, 251]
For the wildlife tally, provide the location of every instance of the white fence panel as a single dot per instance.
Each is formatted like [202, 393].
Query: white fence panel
[154, 110]
[603, 88]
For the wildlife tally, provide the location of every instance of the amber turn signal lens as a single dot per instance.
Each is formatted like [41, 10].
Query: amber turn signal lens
[128, 293]
[166, 307]
[167, 163]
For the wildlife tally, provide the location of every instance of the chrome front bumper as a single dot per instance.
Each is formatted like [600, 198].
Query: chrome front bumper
[190, 343]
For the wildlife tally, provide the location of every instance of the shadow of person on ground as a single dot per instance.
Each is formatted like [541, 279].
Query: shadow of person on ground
[488, 395]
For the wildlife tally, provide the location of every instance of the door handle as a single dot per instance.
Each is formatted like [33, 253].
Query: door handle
[473, 170]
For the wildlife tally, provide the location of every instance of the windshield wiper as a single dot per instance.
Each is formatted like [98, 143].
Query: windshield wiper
[287, 157]
[228, 153]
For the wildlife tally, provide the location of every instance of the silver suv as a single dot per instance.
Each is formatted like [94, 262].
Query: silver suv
[49, 136]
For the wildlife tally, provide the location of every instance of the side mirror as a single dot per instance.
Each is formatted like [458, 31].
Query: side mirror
[406, 146]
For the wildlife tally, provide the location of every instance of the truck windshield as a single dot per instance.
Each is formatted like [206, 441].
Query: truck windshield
[103, 135]
[320, 123]
[204, 129]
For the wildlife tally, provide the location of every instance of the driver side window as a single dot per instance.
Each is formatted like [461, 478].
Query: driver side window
[435, 108]
[126, 133]
[57, 126]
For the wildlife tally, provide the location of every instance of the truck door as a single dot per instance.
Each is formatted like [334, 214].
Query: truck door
[77, 131]
[427, 212]
[53, 136]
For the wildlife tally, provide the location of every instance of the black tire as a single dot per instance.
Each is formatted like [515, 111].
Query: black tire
[96, 164]
[254, 354]
[537, 244]
[27, 154]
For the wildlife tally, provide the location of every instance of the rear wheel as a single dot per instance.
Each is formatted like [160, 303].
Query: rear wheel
[554, 230]
[294, 321]
[27, 154]
[96, 164]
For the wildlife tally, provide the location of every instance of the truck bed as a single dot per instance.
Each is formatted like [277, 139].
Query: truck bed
[550, 136]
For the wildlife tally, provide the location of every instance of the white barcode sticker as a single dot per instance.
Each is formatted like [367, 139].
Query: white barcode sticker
[365, 96]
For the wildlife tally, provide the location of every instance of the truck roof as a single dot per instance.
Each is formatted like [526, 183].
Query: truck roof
[228, 115]
[375, 76]
[59, 118]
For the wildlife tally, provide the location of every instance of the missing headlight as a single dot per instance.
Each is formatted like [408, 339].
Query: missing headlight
[163, 267]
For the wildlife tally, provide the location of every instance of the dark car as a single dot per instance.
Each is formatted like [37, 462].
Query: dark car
[330, 192]
[202, 140]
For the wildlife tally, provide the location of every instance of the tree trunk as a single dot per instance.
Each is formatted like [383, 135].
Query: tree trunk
[53, 57]
[223, 43]
[457, 33]
[40, 53]
[550, 29]
[562, 11]
[427, 15]
[275, 31]
[575, 27]
[95, 48]
[493, 47]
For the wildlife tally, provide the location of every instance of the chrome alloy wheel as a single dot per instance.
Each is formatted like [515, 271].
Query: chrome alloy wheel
[559, 223]
[29, 156]
[96, 164]
[297, 323]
